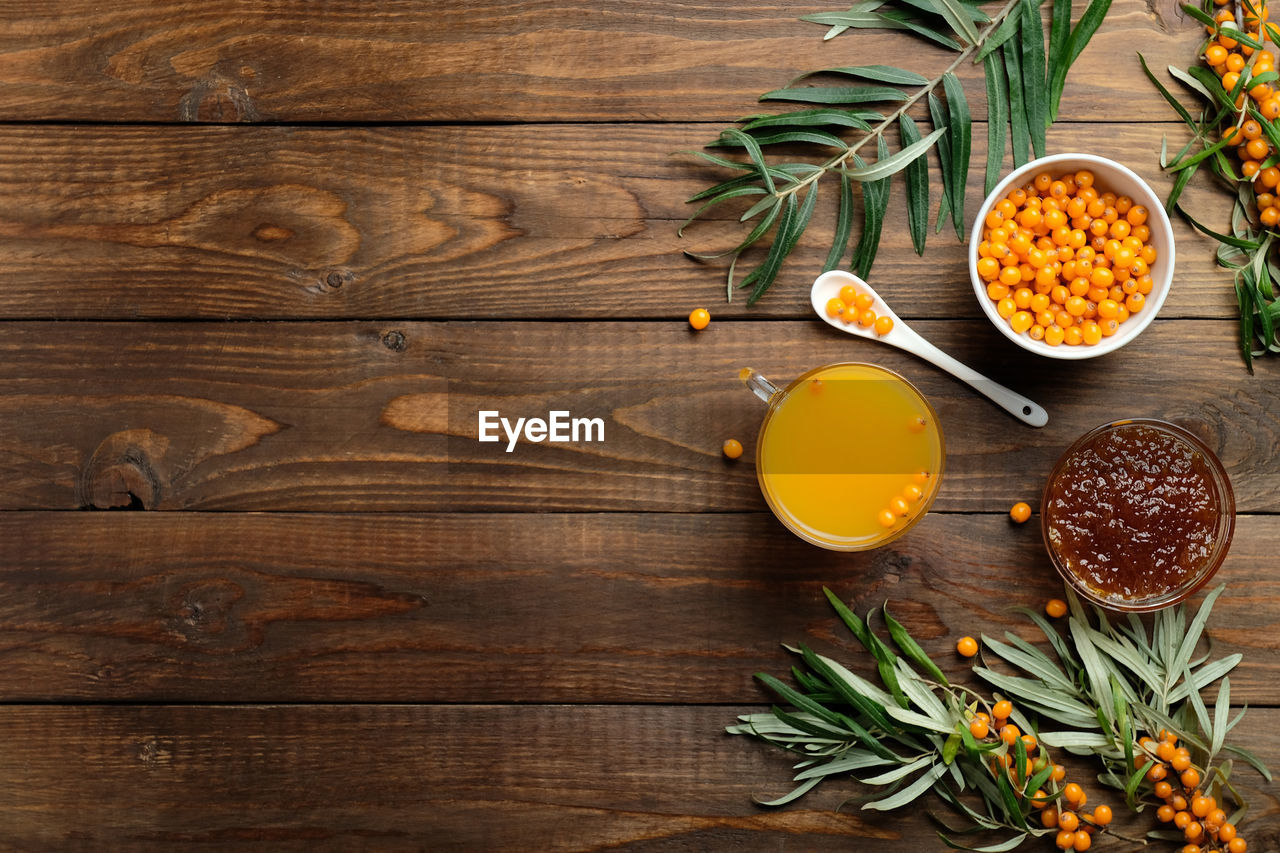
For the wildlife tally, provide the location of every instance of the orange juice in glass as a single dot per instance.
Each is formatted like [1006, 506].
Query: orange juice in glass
[849, 456]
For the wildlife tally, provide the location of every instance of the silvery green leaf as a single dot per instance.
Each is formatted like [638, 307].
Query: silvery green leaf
[1197, 705]
[1032, 662]
[1061, 706]
[1221, 715]
[1095, 670]
[1204, 676]
[909, 793]
[799, 791]
[836, 94]
[1011, 844]
[924, 698]
[1051, 634]
[912, 718]
[898, 772]
[1074, 739]
[877, 73]
[856, 682]
[894, 163]
[853, 759]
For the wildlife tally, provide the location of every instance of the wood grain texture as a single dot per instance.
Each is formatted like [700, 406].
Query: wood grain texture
[444, 222]
[531, 608]
[463, 60]
[374, 417]
[383, 778]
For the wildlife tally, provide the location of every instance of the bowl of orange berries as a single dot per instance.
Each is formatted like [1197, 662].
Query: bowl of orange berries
[1071, 256]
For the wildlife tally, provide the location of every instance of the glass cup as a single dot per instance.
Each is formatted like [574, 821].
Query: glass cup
[849, 455]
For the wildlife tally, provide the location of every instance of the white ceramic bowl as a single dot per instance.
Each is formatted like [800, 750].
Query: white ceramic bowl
[1108, 176]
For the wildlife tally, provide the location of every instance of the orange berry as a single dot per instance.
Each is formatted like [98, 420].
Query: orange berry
[732, 448]
[1226, 832]
[979, 729]
[1181, 759]
[1182, 819]
[1049, 817]
[1102, 815]
[887, 518]
[1001, 710]
[1083, 841]
[1073, 793]
[1068, 821]
[884, 325]
[1165, 813]
[1157, 771]
[1020, 512]
[967, 646]
[1064, 840]
[1163, 790]
[1056, 608]
[1237, 845]
[1190, 778]
[1009, 733]
[701, 317]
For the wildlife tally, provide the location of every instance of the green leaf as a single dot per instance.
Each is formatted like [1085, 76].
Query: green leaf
[727, 195]
[802, 702]
[1033, 75]
[1059, 34]
[877, 73]
[875, 200]
[851, 620]
[1075, 740]
[997, 118]
[835, 94]
[1169, 98]
[911, 648]
[1221, 715]
[792, 223]
[1002, 847]
[848, 761]
[1079, 38]
[816, 117]
[923, 697]
[796, 793]
[1204, 676]
[911, 792]
[1095, 670]
[847, 691]
[1189, 80]
[938, 115]
[1174, 668]
[1034, 663]
[897, 773]
[1020, 133]
[907, 22]
[816, 137]
[1238, 242]
[958, 18]
[844, 225]
[887, 165]
[961, 127]
[917, 176]
[757, 156]
[1008, 29]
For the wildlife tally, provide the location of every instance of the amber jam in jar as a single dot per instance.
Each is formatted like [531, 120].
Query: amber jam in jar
[1138, 514]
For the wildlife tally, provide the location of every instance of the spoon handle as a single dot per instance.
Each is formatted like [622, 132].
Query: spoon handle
[1025, 410]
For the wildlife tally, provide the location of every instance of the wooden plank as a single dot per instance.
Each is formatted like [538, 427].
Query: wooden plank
[374, 417]
[541, 608]
[484, 61]
[442, 779]
[443, 222]
[361, 416]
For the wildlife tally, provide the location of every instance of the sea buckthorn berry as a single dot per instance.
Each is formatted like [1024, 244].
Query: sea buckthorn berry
[997, 290]
[979, 729]
[1056, 608]
[1036, 332]
[848, 294]
[1049, 817]
[912, 493]
[1083, 841]
[732, 448]
[1165, 813]
[1182, 819]
[1215, 819]
[1072, 336]
[1020, 512]
[884, 325]
[1021, 321]
[1073, 793]
[1001, 710]
[1054, 335]
[835, 309]
[1215, 54]
[887, 518]
[1190, 777]
[1201, 806]
[967, 646]
[1257, 149]
[1157, 771]
[1102, 815]
[1068, 821]
[1226, 832]
[1178, 802]
[899, 507]
[1181, 760]
[1029, 743]
[1064, 840]
[867, 318]
[1193, 830]
[700, 317]
[1237, 845]
[1009, 733]
[1165, 750]
[1235, 62]
[1010, 276]
[988, 268]
[1269, 216]
[1163, 790]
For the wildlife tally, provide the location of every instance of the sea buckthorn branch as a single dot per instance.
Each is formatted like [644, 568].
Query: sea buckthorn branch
[917, 733]
[1024, 81]
[1240, 116]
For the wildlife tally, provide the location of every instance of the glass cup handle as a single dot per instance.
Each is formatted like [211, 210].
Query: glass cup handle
[761, 387]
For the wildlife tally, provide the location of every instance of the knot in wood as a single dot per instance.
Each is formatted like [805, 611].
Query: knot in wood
[395, 341]
[120, 473]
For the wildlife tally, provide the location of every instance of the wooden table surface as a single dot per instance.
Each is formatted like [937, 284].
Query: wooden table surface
[264, 263]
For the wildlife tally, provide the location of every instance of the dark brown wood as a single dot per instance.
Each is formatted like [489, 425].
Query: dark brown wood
[174, 61]
[453, 778]
[444, 222]
[374, 417]
[609, 608]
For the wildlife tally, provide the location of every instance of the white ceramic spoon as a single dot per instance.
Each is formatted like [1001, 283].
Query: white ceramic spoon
[903, 337]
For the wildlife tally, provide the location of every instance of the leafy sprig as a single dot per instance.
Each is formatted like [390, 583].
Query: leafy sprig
[1249, 249]
[1024, 79]
[1102, 685]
